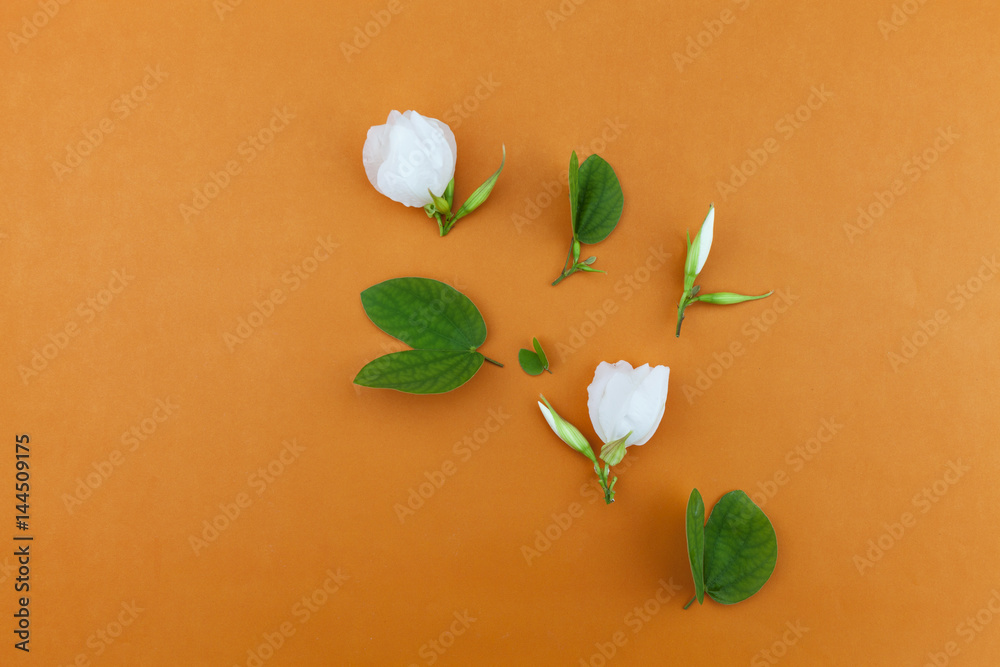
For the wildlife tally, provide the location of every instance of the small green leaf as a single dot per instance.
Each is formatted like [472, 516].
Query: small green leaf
[600, 201]
[481, 193]
[741, 549]
[574, 190]
[530, 362]
[695, 527]
[541, 353]
[425, 314]
[421, 371]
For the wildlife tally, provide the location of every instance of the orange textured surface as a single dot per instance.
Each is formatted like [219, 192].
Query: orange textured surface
[851, 150]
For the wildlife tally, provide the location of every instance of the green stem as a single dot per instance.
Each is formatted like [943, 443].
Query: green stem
[602, 475]
[492, 361]
[691, 601]
[563, 276]
[685, 302]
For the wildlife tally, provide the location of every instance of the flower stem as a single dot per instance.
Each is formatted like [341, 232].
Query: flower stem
[602, 476]
[680, 314]
[691, 601]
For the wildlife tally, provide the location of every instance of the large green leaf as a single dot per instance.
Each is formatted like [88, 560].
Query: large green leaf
[442, 325]
[695, 526]
[425, 314]
[599, 201]
[421, 371]
[741, 549]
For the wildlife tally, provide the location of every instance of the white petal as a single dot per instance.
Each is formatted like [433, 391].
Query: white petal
[706, 233]
[648, 405]
[438, 145]
[448, 135]
[614, 406]
[595, 392]
[401, 176]
[375, 152]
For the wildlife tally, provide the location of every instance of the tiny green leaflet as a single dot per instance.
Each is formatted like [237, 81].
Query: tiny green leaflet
[596, 202]
[734, 554]
[533, 362]
[442, 325]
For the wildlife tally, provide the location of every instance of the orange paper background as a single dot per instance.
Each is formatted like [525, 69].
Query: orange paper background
[596, 76]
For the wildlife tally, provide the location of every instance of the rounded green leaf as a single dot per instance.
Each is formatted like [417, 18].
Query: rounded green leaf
[694, 525]
[421, 371]
[599, 201]
[530, 362]
[741, 549]
[425, 314]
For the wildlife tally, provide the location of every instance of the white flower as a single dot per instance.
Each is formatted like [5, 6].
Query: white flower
[624, 400]
[410, 155]
[703, 242]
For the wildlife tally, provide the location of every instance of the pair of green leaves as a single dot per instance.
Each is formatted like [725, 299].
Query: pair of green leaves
[533, 362]
[595, 203]
[444, 328]
[441, 207]
[733, 555]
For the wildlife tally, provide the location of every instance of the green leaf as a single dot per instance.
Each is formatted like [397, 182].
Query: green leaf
[574, 189]
[741, 549]
[425, 314]
[541, 353]
[482, 192]
[600, 201]
[421, 371]
[530, 362]
[442, 325]
[695, 527]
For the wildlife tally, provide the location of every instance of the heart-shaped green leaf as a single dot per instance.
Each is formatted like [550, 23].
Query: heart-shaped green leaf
[425, 314]
[599, 202]
[530, 362]
[694, 525]
[421, 371]
[442, 325]
[741, 549]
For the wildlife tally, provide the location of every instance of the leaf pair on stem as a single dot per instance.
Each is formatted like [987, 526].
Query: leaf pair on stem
[595, 205]
[444, 328]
